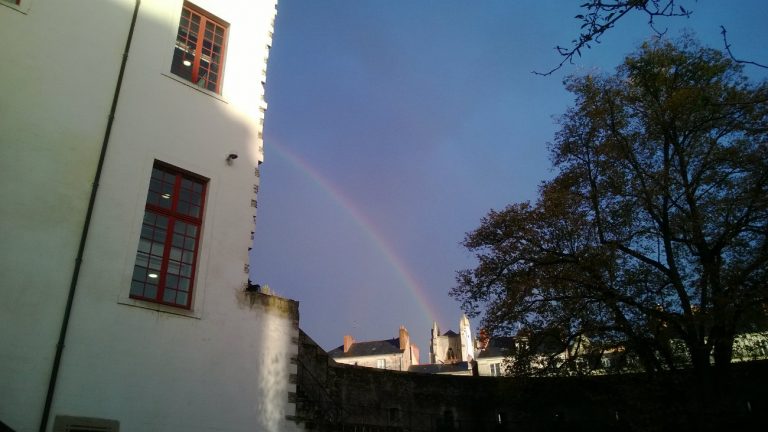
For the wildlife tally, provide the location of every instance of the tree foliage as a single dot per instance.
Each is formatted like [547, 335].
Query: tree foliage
[654, 231]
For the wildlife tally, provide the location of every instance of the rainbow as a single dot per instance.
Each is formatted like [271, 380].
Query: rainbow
[365, 225]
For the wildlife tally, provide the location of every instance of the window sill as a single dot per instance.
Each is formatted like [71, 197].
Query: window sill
[194, 87]
[158, 307]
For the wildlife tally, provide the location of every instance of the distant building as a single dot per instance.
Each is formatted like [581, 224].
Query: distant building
[392, 354]
[492, 354]
[449, 347]
[130, 141]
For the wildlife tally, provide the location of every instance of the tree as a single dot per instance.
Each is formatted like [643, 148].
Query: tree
[654, 230]
[600, 16]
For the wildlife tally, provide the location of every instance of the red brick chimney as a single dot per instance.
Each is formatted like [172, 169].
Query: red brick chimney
[348, 341]
[405, 340]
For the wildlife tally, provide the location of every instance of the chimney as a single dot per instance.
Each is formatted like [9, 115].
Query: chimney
[404, 339]
[348, 341]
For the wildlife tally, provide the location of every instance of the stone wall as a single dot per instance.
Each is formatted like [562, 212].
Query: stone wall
[347, 398]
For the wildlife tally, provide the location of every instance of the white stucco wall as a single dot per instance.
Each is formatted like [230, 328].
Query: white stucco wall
[223, 365]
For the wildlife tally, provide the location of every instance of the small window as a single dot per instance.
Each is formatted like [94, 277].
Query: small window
[200, 47]
[381, 363]
[167, 255]
[450, 355]
[495, 369]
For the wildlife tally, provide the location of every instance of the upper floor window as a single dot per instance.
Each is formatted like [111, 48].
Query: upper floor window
[167, 254]
[381, 363]
[495, 369]
[200, 45]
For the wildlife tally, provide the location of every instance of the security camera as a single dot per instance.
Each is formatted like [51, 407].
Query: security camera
[232, 156]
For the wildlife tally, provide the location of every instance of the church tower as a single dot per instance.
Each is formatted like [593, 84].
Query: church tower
[467, 348]
[433, 343]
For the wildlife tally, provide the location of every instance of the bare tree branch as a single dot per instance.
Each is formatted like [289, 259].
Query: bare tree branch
[602, 15]
[730, 53]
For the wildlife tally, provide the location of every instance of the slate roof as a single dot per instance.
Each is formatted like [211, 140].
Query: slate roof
[440, 368]
[450, 333]
[360, 349]
[501, 346]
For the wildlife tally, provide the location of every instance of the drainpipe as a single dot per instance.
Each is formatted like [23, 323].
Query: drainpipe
[86, 226]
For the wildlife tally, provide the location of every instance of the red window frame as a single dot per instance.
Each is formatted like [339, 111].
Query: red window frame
[201, 45]
[166, 258]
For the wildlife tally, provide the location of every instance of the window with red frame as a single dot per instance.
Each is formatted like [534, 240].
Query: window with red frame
[200, 45]
[170, 235]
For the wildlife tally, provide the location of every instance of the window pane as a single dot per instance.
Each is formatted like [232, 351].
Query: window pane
[144, 245]
[175, 254]
[184, 284]
[181, 298]
[169, 296]
[142, 259]
[137, 288]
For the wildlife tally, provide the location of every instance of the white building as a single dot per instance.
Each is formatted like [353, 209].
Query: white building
[450, 347]
[392, 354]
[161, 334]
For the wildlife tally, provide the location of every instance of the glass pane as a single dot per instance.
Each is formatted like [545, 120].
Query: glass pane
[183, 207]
[147, 231]
[162, 222]
[179, 227]
[142, 259]
[178, 241]
[181, 298]
[139, 274]
[144, 245]
[186, 270]
[154, 263]
[175, 254]
[189, 243]
[150, 291]
[158, 249]
[185, 195]
[137, 288]
[188, 257]
[171, 281]
[169, 296]
[191, 230]
[173, 267]
[184, 284]
[159, 235]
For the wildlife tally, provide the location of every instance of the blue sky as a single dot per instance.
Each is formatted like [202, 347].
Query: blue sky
[394, 126]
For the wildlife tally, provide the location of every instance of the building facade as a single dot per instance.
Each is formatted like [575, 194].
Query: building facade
[391, 354]
[450, 347]
[130, 141]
